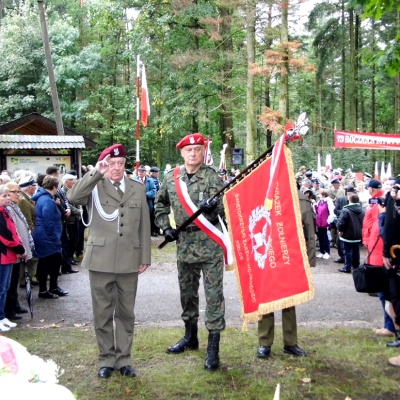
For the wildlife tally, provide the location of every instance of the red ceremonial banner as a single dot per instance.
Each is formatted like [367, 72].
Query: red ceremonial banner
[366, 140]
[271, 260]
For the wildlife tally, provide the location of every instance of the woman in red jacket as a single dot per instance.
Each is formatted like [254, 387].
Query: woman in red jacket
[370, 230]
[11, 249]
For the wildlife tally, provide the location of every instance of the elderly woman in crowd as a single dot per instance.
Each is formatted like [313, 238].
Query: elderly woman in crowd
[47, 238]
[13, 308]
[11, 249]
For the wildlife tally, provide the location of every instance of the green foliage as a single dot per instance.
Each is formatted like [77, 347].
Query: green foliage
[387, 58]
[195, 58]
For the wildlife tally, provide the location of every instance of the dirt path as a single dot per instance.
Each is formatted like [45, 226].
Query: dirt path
[336, 303]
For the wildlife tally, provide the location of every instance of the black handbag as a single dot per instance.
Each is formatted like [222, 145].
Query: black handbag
[369, 278]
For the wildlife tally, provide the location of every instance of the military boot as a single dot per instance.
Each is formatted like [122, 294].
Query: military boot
[212, 358]
[396, 342]
[189, 342]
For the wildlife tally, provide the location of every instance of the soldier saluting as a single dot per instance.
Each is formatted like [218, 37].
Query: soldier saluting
[191, 185]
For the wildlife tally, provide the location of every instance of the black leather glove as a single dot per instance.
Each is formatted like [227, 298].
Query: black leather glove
[208, 205]
[170, 235]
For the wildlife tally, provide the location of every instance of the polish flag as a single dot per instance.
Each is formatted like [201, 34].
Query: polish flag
[376, 173]
[208, 158]
[145, 98]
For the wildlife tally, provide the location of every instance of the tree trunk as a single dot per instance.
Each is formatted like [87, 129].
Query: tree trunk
[284, 78]
[250, 107]
[397, 111]
[343, 77]
[226, 115]
[1, 11]
[50, 69]
[397, 121]
[267, 91]
[352, 95]
[373, 86]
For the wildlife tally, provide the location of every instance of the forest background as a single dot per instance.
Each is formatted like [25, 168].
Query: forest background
[234, 70]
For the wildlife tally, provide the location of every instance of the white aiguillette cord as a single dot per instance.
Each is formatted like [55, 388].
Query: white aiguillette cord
[101, 212]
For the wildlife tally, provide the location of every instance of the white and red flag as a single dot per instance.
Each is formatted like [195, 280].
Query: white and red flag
[222, 163]
[144, 98]
[208, 158]
[270, 256]
[376, 172]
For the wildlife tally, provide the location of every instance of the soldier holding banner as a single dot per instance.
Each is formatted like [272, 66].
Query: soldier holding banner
[184, 190]
[266, 326]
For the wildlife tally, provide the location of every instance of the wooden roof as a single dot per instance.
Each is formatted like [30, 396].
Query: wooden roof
[37, 124]
[41, 142]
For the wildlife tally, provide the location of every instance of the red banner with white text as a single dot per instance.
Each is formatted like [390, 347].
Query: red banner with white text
[267, 237]
[367, 140]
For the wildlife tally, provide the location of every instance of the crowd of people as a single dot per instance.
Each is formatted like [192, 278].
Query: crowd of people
[41, 233]
[42, 229]
[351, 213]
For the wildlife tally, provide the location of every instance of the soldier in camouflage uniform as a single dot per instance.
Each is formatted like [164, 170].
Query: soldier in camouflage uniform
[196, 252]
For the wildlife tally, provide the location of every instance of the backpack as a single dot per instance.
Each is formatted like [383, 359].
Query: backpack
[322, 214]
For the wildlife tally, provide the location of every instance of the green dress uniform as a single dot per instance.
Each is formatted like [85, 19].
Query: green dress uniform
[114, 252]
[196, 252]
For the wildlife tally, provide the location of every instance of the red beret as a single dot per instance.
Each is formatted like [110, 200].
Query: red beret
[194, 138]
[116, 150]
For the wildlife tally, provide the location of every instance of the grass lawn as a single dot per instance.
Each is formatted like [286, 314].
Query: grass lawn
[342, 364]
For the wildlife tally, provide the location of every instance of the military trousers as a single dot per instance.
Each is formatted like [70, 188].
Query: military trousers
[189, 282]
[266, 328]
[113, 301]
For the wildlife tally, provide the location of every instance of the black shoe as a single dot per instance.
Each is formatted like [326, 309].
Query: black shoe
[105, 372]
[59, 292]
[20, 310]
[294, 351]
[155, 234]
[13, 316]
[339, 261]
[72, 261]
[345, 271]
[127, 371]
[264, 352]
[22, 286]
[189, 342]
[47, 295]
[70, 271]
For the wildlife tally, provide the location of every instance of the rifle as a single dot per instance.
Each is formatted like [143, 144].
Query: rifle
[301, 128]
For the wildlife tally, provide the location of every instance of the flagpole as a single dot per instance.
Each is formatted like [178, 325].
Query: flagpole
[242, 175]
[138, 62]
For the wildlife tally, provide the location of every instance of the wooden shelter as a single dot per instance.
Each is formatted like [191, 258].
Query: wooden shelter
[31, 142]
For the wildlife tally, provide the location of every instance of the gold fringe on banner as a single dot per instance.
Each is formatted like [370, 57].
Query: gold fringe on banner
[297, 299]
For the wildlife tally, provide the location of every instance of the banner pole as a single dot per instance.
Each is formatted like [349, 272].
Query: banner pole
[299, 130]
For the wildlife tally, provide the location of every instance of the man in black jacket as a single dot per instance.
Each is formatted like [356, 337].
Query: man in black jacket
[340, 202]
[349, 227]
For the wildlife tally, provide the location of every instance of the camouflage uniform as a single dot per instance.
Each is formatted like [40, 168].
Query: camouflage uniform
[196, 252]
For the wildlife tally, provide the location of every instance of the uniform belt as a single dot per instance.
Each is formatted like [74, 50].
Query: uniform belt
[195, 228]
